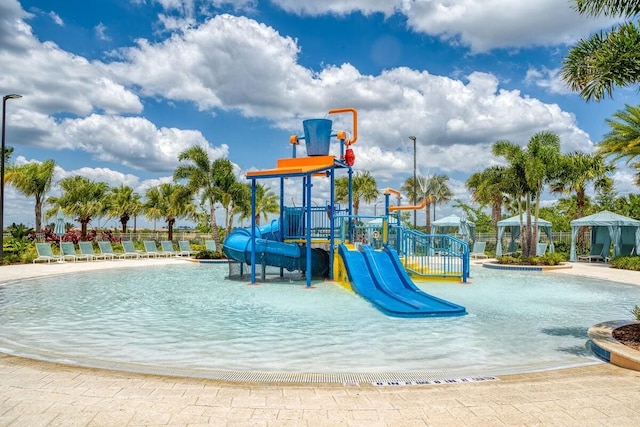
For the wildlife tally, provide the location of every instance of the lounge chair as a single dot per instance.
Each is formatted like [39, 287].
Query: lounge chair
[86, 248]
[150, 248]
[596, 254]
[131, 251]
[167, 249]
[513, 249]
[478, 250]
[210, 245]
[45, 253]
[185, 248]
[68, 249]
[541, 249]
[107, 249]
[627, 249]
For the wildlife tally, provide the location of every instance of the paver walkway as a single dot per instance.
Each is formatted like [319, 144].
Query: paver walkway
[34, 393]
[44, 394]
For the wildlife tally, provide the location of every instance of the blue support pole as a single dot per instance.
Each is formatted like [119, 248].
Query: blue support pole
[304, 192]
[282, 231]
[308, 231]
[281, 218]
[385, 222]
[332, 221]
[253, 231]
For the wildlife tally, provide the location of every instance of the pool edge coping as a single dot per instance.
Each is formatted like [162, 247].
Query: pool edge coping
[516, 267]
[609, 349]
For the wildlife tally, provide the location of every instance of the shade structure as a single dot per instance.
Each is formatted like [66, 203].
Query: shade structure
[58, 226]
[465, 228]
[608, 228]
[513, 224]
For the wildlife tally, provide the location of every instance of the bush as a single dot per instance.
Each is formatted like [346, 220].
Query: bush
[636, 312]
[546, 259]
[209, 255]
[626, 262]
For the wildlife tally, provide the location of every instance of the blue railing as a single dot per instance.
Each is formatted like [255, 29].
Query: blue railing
[424, 255]
[429, 255]
[295, 222]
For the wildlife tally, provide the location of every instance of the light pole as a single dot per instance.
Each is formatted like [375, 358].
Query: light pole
[4, 105]
[375, 208]
[415, 202]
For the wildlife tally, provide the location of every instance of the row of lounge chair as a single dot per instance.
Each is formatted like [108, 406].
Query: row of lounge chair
[479, 247]
[86, 252]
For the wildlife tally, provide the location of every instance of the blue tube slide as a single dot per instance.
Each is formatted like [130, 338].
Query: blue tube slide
[271, 251]
[378, 276]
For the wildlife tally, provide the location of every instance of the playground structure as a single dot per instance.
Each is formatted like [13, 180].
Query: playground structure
[375, 256]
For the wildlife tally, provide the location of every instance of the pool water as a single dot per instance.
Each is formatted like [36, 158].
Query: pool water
[189, 317]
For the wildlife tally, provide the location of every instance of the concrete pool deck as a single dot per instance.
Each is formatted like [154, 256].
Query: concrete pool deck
[41, 393]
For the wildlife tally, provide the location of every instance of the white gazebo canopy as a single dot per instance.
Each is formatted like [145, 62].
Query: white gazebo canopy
[463, 226]
[606, 228]
[513, 223]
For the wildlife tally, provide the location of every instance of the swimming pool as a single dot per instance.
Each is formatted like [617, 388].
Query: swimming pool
[189, 320]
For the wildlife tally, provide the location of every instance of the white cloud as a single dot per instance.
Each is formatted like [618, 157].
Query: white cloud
[131, 141]
[339, 7]
[235, 63]
[56, 18]
[481, 25]
[547, 79]
[101, 32]
[56, 80]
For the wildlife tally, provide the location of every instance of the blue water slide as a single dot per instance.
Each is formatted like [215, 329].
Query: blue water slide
[271, 251]
[379, 277]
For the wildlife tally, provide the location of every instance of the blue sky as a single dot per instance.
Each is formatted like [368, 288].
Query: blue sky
[114, 90]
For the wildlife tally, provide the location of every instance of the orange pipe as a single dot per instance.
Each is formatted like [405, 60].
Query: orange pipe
[408, 208]
[355, 122]
[392, 191]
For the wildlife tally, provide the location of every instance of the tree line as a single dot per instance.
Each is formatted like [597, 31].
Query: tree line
[200, 184]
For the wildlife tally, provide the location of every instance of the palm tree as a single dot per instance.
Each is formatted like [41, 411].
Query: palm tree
[433, 190]
[211, 179]
[607, 59]
[422, 193]
[489, 187]
[169, 202]
[577, 171]
[529, 169]
[33, 180]
[266, 203]
[236, 200]
[623, 139]
[81, 198]
[363, 187]
[123, 203]
[440, 191]
[8, 151]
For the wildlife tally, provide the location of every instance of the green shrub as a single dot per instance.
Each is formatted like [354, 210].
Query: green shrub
[209, 255]
[553, 258]
[546, 259]
[636, 312]
[626, 262]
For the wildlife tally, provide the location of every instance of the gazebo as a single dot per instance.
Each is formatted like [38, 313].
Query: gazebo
[464, 227]
[607, 228]
[513, 224]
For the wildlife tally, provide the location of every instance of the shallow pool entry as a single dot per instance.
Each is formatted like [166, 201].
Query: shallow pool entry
[190, 320]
